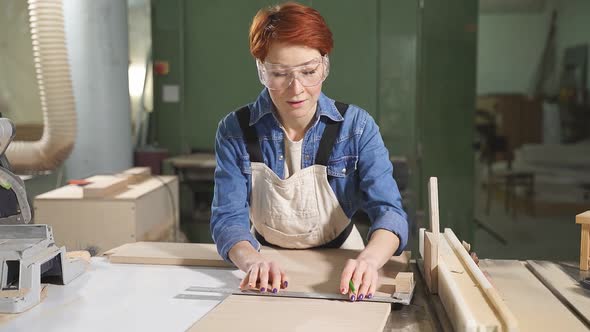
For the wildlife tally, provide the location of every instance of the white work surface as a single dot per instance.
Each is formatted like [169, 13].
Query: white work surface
[125, 297]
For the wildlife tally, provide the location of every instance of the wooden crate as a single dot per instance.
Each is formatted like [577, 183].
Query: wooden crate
[146, 211]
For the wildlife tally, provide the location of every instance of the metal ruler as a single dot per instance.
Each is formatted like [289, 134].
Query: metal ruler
[403, 298]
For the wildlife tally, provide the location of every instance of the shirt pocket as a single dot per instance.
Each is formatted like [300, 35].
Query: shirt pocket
[343, 166]
[245, 165]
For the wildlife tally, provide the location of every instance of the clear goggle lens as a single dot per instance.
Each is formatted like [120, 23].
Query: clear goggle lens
[280, 77]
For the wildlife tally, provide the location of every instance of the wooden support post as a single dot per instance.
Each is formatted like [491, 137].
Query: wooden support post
[584, 220]
[431, 238]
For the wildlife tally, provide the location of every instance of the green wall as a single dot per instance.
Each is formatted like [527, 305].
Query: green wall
[411, 67]
[447, 61]
[509, 48]
[373, 65]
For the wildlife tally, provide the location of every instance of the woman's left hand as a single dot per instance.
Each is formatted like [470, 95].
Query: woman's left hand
[364, 275]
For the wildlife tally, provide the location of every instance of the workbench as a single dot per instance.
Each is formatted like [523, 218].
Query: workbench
[130, 297]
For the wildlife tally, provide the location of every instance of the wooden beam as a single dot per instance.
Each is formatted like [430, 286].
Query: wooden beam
[137, 174]
[404, 282]
[433, 204]
[509, 322]
[431, 262]
[431, 238]
[583, 218]
[104, 186]
[585, 247]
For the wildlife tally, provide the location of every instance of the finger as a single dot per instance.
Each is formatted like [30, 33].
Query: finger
[347, 275]
[285, 280]
[263, 276]
[373, 287]
[253, 276]
[357, 279]
[276, 279]
[366, 283]
[245, 281]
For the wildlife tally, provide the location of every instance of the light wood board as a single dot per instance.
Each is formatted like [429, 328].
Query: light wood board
[167, 253]
[533, 305]
[103, 186]
[260, 314]
[465, 302]
[564, 287]
[308, 270]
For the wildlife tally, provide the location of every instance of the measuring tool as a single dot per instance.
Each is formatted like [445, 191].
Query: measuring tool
[403, 298]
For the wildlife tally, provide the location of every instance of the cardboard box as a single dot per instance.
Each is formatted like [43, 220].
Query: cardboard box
[146, 211]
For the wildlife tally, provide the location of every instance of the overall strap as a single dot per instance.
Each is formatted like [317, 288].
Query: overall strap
[329, 136]
[250, 136]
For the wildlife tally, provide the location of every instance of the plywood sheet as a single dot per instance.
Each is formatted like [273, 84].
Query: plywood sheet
[566, 288]
[535, 307]
[167, 253]
[308, 270]
[259, 314]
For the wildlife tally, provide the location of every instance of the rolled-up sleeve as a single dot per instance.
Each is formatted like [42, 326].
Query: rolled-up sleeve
[381, 198]
[230, 218]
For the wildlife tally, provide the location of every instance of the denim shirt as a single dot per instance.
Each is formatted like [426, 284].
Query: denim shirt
[359, 169]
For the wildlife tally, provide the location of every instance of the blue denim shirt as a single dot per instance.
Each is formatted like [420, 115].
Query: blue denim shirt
[361, 173]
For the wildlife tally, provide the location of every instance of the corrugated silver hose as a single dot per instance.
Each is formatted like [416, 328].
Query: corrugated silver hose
[52, 68]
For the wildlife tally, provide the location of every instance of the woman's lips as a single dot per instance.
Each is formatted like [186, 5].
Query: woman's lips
[296, 104]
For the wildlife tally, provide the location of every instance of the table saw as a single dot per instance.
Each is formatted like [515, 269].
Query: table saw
[144, 297]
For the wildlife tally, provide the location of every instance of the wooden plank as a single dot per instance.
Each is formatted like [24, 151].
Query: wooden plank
[308, 270]
[431, 241]
[167, 253]
[433, 204]
[431, 262]
[564, 287]
[585, 247]
[137, 174]
[509, 322]
[583, 218]
[260, 314]
[465, 302]
[103, 186]
[404, 282]
[533, 305]
[72, 192]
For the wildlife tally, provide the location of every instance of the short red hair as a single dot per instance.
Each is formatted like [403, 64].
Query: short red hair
[291, 23]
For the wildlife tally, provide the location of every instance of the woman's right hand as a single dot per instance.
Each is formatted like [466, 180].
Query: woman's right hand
[265, 275]
[261, 273]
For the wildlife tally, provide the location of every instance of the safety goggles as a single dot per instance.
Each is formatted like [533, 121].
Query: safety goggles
[280, 77]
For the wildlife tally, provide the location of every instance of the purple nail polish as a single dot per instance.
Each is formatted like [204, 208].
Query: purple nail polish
[352, 298]
[361, 297]
[274, 290]
[262, 289]
[286, 283]
[369, 296]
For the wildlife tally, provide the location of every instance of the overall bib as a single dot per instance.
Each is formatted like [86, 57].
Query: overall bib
[302, 211]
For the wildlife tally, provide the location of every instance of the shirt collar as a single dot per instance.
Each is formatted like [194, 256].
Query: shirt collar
[263, 106]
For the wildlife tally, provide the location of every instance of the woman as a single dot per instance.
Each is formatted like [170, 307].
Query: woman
[299, 165]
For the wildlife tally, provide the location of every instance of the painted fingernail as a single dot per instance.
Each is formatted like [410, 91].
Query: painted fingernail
[361, 297]
[369, 296]
[286, 283]
[262, 289]
[274, 290]
[343, 291]
[352, 298]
